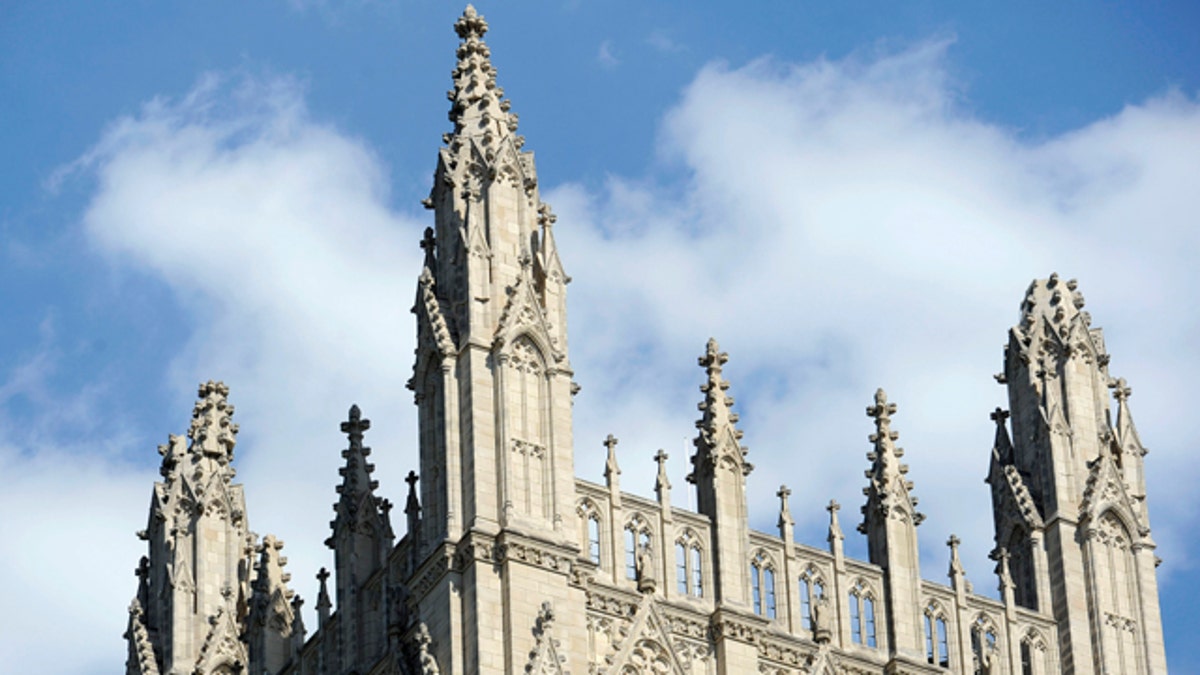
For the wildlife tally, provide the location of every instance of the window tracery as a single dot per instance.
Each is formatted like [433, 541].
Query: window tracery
[937, 640]
[862, 615]
[762, 585]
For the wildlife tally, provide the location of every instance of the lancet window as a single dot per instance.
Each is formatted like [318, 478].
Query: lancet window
[592, 537]
[983, 645]
[1020, 565]
[637, 537]
[812, 589]
[688, 570]
[1034, 656]
[862, 615]
[762, 585]
[1116, 571]
[937, 641]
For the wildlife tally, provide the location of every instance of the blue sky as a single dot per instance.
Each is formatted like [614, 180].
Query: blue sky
[846, 194]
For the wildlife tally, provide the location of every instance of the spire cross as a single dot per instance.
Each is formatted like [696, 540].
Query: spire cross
[953, 542]
[1121, 390]
[999, 415]
[783, 494]
[323, 576]
[412, 479]
[833, 507]
[660, 457]
[611, 443]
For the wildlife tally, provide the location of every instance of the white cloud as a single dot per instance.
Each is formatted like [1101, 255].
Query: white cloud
[844, 225]
[297, 280]
[848, 225]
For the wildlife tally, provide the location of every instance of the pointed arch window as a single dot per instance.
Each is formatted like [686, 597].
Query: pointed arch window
[812, 589]
[862, 615]
[762, 585]
[681, 568]
[937, 642]
[593, 534]
[1034, 657]
[688, 570]
[637, 537]
[983, 645]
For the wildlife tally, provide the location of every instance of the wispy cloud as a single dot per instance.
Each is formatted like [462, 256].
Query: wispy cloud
[662, 41]
[845, 225]
[606, 55]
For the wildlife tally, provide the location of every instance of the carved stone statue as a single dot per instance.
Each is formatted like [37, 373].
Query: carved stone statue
[822, 617]
[644, 568]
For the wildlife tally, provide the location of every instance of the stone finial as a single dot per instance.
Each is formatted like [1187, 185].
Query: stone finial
[212, 431]
[429, 246]
[471, 24]
[1002, 447]
[324, 604]
[835, 528]
[785, 513]
[611, 469]
[958, 573]
[662, 484]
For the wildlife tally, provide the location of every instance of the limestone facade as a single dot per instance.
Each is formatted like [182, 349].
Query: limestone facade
[510, 564]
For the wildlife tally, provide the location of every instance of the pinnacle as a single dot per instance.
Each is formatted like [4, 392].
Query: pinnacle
[356, 473]
[719, 435]
[478, 108]
[212, 432]
[887, 474]
[1054, 301]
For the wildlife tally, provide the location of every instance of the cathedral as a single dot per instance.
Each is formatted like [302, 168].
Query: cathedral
[508, 563]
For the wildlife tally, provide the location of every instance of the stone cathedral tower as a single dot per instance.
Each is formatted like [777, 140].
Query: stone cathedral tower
[510, 564]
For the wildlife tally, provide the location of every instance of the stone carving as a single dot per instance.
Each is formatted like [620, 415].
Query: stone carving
[644, 568]
[546, 657]
[426, 663]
